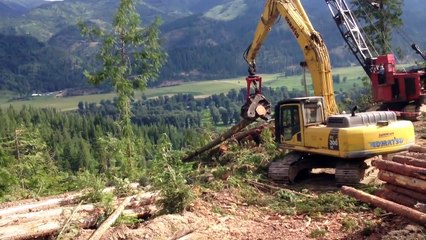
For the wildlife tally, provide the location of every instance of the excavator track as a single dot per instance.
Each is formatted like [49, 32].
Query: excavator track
[353, 173]
[285, 170]
[347, 172]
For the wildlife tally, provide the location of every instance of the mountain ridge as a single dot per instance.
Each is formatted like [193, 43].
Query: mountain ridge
[203, 40]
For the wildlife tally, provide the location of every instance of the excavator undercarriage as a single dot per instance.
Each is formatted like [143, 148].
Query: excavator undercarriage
[294, 164]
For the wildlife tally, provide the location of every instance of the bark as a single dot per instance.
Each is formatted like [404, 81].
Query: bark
[46, 223]
[417, 148]
[221, 138]
[110, 220]
[412, 161]
[397, 197]
[36, 206]
[387, 205]
[45, 227]
[403, 181]
[421, 197]
[412, 154]
[46, 214]
[251, 134]
[406, 170]
[61, 200]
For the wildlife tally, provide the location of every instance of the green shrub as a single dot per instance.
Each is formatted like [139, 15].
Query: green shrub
[167, 176]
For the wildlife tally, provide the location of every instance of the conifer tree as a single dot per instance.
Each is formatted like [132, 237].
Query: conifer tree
[131, 55]
[380, 18]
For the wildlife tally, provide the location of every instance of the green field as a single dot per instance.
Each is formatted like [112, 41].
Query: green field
[199, 88]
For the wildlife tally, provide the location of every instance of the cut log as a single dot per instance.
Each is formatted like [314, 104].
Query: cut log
[61, 200]
[45, 214]
[110, 220]
[398, 198]
[399, 168]
[421, 197]
[411, 154]
[141, 200]
[387, 205]
[36, 206]
[417, 148]
[409, 161]
[45, 227]
[251, 134]
[221, 138]
[49, 222]
[403, 181]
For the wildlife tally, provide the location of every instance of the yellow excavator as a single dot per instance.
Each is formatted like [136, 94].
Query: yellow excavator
[311, 128]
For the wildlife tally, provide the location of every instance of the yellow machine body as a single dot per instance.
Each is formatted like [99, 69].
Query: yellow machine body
[300, 126]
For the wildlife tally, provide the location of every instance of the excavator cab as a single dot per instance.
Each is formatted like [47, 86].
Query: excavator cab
[293, 115]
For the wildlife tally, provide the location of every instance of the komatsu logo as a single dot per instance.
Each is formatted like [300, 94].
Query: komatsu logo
[386, 143]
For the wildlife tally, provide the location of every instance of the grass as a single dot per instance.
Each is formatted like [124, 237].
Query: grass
[198, 89]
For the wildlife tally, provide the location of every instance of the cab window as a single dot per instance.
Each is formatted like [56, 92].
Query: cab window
[290, 121]
[313, 113]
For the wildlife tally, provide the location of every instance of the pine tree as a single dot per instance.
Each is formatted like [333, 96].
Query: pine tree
[131, 56]
[380, 18]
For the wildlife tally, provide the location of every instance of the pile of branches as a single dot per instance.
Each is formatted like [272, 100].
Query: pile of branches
[53, 216]
[404, 191]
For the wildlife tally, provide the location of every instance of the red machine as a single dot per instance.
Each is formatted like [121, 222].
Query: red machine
[399, 91]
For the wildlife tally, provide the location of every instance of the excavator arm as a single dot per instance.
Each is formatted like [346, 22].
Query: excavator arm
[309, 40]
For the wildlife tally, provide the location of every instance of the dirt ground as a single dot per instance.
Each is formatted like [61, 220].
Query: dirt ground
[220, 216]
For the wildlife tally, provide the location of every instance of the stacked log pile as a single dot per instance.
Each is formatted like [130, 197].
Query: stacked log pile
[51, 217]
[404, 190]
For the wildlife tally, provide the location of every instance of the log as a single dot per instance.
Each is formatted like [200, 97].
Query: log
[387, 205]
[43, 227]
[141, 200]
[253, 133]
[45, 214]
[412, 154]
[37, 206]
[415, 195]
[406, 170]
[417, 148]
[403, 181]
[221, 138]
[398, 198]
[110, 220]
[61, 200]
[409, 161]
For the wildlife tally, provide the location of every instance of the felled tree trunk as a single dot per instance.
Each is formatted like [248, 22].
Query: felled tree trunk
[221, 138]
[403, 181]
[409, 161]
[110, 220]
[386, 204]
[398, 198]
[46, 223]
[61, 200]
[37, 206]
[421, 197]
[406, 170]
[45, 227]
[417, 149]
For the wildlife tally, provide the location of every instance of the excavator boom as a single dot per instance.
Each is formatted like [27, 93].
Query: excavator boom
[310, 41]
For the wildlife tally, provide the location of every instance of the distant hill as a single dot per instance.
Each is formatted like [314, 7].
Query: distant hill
[11, 9]
[204, 39]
